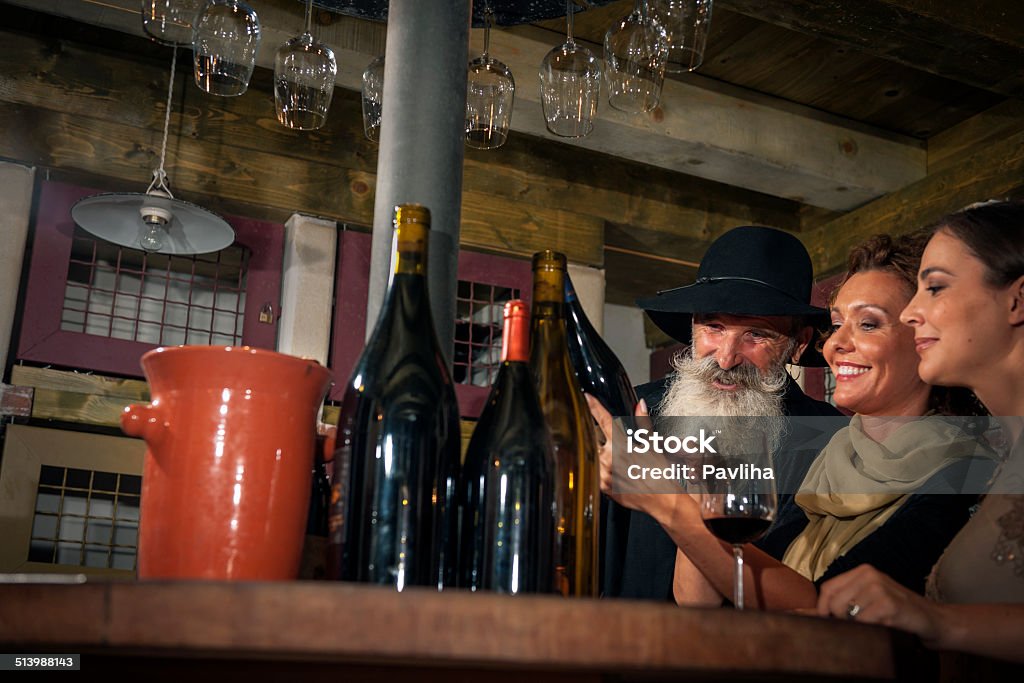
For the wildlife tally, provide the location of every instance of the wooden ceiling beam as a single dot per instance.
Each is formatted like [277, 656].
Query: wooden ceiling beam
[703, 128]
[978, 173]
[977, 42]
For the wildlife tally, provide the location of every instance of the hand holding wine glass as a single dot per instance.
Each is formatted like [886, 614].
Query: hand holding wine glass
[740, 507]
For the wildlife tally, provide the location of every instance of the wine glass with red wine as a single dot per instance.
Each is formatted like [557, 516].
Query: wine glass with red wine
[740, 500]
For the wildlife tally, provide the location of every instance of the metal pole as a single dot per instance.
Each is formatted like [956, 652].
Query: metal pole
[421, 145]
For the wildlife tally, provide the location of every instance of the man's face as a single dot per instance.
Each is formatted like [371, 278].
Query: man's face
[766, 342]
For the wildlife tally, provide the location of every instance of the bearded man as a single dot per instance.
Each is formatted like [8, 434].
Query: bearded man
[745, 318]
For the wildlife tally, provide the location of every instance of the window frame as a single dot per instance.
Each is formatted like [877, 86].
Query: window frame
[41, 339]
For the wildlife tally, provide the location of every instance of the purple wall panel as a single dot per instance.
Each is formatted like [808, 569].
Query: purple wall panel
[41, 339]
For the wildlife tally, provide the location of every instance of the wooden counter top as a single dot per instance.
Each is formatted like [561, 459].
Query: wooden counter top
[307, 627]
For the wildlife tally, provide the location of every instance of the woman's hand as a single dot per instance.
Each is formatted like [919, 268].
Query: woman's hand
[867, 595]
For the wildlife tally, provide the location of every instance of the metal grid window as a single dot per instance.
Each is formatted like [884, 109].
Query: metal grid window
[124, 293]
[478, 325]
[830, 386]
[86, 518]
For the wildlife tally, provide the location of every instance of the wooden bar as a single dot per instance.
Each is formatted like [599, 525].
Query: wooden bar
[339, 625]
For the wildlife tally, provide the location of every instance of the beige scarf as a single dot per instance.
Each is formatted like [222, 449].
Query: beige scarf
[856, 484]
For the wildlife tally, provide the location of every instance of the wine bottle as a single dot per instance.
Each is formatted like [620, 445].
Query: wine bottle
[601, 374]
[508, 478]
[577, 509]
[319, 500]
[317, 518]
[394, 516]
[598, 369]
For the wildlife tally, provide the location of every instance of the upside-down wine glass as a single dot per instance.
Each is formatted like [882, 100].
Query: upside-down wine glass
[739, 509]
[490, 91]
[570, 85]
[169, 21]
[635, 51]
[225, 37]
[373, 98]
[686, 23]
[304, 73]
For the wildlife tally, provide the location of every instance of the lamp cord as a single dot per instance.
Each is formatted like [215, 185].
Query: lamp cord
[159, 174]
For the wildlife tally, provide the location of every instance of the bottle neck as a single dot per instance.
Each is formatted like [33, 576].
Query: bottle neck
[548, 292]
[515, 336]
[411, 248]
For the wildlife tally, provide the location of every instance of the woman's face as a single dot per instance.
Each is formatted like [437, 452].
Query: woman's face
[871, 352]
[957, 317]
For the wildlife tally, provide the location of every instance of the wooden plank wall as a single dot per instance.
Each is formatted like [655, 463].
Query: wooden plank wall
[88, 105]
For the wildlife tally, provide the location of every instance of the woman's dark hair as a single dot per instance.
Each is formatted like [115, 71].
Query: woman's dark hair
[994, 233]
[901, 256]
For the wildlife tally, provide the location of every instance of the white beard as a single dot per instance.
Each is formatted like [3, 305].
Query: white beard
[758, 393]
[691, 391]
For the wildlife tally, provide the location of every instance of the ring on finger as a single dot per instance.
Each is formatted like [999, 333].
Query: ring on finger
[852, 610]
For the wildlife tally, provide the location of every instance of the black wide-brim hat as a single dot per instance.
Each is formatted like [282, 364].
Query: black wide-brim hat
[750, 270]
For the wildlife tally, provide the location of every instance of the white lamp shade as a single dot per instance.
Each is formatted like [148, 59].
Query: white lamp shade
[117, 218]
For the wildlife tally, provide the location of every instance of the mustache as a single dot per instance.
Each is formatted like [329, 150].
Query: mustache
[745, 375]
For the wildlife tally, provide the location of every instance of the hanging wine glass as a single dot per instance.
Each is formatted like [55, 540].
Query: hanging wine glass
[570, 85]
[225, 36]
[686, 23]
[169, 21]
[635, 50]
[490, 90]
[304, 73]
[373, 98]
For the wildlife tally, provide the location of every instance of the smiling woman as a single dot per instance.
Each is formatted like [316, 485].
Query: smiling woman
[868, 497]
[870, 351]
[968, 319]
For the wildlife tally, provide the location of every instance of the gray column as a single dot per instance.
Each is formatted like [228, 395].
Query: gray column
[15, 205]
[421, 145]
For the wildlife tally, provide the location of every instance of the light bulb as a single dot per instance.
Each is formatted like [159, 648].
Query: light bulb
[153, 237]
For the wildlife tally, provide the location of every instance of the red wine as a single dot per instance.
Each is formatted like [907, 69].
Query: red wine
[577, 493]
[394, 519]
[737, 530]
[508, 479]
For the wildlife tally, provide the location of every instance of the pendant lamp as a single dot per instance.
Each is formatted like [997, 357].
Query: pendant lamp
[154, 220]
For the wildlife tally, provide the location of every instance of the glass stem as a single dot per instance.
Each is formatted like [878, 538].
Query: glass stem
[569, 11]
[487, 33]
[737, 593]
[309, 14]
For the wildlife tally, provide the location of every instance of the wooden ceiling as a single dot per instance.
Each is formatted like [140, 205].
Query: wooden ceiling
[830, 118]
[830, 74]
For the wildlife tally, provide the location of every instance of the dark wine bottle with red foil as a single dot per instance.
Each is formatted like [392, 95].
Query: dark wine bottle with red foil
[394, 515]
[314, 547]
[508, 478]
[598, 370]
[577, 503]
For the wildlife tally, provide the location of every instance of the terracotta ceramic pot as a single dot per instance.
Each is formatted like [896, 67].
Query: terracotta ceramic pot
[227, 474]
